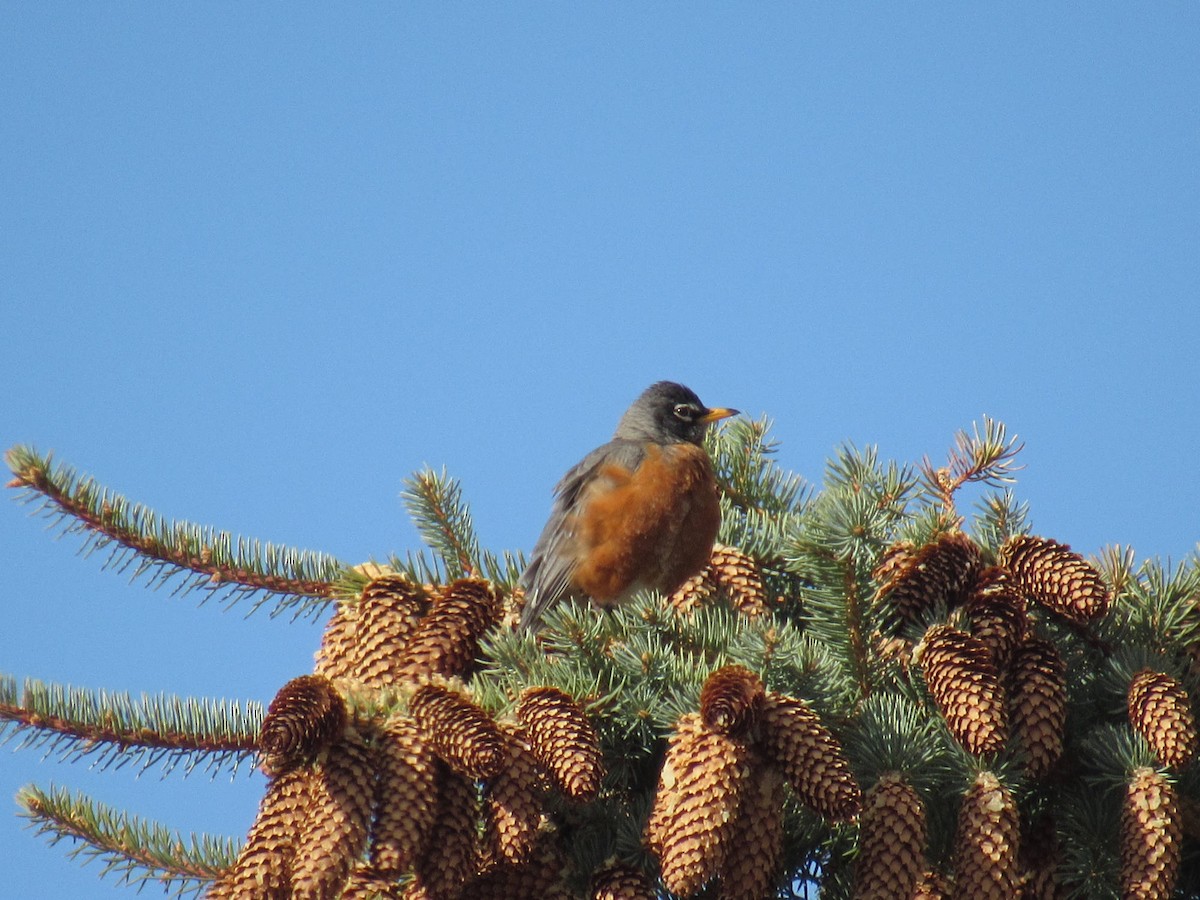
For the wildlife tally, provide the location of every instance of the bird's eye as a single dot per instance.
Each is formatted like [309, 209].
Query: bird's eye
[685, 411]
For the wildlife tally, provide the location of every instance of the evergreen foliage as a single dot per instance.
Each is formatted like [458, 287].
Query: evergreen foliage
[893, 631]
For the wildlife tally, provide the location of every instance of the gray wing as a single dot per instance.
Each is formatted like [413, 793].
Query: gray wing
[547, 578]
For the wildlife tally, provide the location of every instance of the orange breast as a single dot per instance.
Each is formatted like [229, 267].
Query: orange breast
[652, 527]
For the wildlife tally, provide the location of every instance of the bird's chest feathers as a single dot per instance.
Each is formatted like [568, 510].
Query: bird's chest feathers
[649, 527]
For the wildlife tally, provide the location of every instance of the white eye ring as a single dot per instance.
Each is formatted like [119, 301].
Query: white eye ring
[684, 411]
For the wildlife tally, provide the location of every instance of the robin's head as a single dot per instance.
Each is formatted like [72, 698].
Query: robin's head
[668, 413]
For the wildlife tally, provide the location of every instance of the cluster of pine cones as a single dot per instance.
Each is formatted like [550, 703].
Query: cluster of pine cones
[994, 681]
[438, 796]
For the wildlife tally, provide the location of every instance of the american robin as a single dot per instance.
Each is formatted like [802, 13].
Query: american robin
[640, 512]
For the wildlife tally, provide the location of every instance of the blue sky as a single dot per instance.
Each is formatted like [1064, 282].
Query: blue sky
[262, 263]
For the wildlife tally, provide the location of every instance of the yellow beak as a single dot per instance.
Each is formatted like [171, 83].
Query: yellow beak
[720, 412]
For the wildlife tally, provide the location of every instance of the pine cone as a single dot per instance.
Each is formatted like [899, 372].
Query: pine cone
[406, 798]
[333, 835]
[892, 836]
[367, 884]
[697, 591]
[752, 866]
[699, 788]
[1161, 712]
[730, 700]
[459, 731]
[1056, 577]
[453, 846]
[306, 717]
[446, 642]
[388, 613]
[963, 682]
[338, 654]
[563, 741]
[987, 842]
[514, 800]
[1037, 704]
[997, 615]
[1151, 837]
[809, 757]
[932, 886]
[1039, 858]
[942, 573]
[264, 865]
[622, 881]
[736, 574]
[539, 878]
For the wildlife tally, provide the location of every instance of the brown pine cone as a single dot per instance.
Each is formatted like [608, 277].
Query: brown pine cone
[622, 881]
[892, 836]
[699, 789]
[1151, 837]
[730, 700]
[539, 878]
[1161, 712]
[996, 615]
[306, 717]
[460, 732]
[452, 856]
[563, 741]
[1054, 576]
[406, 796]
[963, 682]
[941, 573]
[736, 574]
[337, 656]
[1037, 704]
[697, 591]
[367, 884]
[446, 641]
[810, 757]
[388, 613]
[333, 834]
[987, 842]
[264, 865]
[513, 799]
[756, 844]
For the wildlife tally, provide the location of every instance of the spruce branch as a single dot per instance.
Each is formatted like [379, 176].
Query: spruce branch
[987, 457]
[435, 502]
[137, 851]
[116, 730]
[182, 554]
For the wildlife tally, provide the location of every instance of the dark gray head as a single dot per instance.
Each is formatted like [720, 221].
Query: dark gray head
[668, 413]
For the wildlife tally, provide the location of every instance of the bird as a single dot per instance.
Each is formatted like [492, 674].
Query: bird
[640, 512]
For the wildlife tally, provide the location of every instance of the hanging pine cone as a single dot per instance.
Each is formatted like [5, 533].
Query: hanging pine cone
[1161, 712]
[962, 681]
[453, 855]
[891, 842]
[264, 865]
[1039, 858]
[986, 842]
[513, 799]
[333, 834]
[460, 732]
[809, 757]
[388, 613]
[446, 641]
[699, 788]
[367, 884]
[756, 844]
[306, 717]
[563, 741]
[1037, 704]
[996, 615]
[406, 796]
[942, 573]
[539, 878]
[1151, 837]
[337, 656]
[736, 575]
[622, 881]
[1054, 576]
[730, 700]
[932, 886]
[697, 591]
